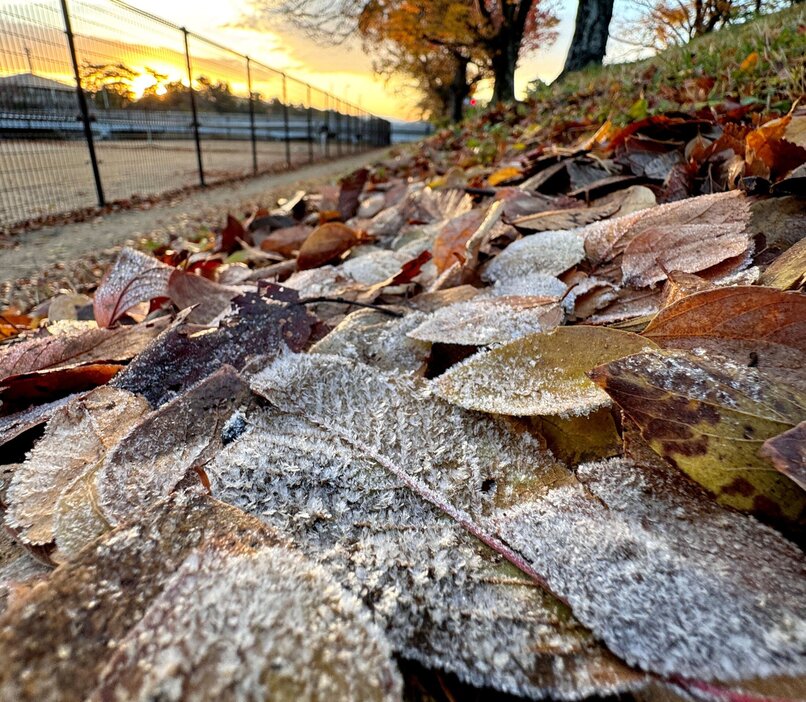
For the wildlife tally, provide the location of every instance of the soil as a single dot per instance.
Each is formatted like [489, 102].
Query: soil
[72, 257]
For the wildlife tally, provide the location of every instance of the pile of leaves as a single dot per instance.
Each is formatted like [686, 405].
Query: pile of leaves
[535, 427]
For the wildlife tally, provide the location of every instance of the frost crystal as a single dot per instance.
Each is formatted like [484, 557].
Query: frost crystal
[377, 340]
[546, 253]
[239, 624]
[672, 582]
[483, 321]
[443, 597]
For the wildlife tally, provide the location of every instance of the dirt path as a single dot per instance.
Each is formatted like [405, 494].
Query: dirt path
[68, 256]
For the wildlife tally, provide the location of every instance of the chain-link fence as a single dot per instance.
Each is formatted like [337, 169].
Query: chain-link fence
[101, 103]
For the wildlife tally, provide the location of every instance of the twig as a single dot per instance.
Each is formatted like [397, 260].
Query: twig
[344, 301]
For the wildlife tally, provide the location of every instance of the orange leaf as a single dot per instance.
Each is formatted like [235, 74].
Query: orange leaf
[504, 174]
[327, 243]
[750, 62]
[449, 244]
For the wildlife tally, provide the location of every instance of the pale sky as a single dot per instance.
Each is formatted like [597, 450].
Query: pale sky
[342, 70]
[345, 72]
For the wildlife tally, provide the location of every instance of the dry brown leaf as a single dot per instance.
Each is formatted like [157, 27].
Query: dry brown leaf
[286, 241]
[753, 325]
[327, 243]
[788, 271]
[449, 244]
[787, 452]
[134, 278]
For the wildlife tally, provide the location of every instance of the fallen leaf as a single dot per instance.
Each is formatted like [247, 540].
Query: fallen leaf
[753, 325]
[230, 236]
[687, 242]
[134, 278]
[449, 244]
[788, 271]
[547, 253]
[710, 420]
[208, 299]
[21, 391]
[708, 218]
[185, 355]
[749, 62]
[286, 241]
[577, 439]
[77, 347]
[297, 635]
[503, 175]
[351, 187]
[539, 374]
[489, 320]
[669, 580]
[787, 452]
[78, 435]
[399, 552]
[325, 244]
[769, 154]
[378, 340]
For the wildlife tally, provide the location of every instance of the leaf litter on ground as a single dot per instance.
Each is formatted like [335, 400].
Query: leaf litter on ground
[530, 416]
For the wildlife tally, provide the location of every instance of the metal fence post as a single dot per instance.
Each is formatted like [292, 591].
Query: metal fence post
[193, 110]
[251, 114]
[327, 125]
[310, 126]
[285, 124]
[338, 126]
[82, 106]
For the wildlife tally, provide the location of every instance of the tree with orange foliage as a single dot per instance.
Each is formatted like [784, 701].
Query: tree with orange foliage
[498, 31]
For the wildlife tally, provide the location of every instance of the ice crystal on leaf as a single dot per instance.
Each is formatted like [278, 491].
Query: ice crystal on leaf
[251, 624]
[489, 320]
[671, 581]
[546, 253]
[442, 597]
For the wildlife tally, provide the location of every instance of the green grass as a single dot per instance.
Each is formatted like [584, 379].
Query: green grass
[706, 73]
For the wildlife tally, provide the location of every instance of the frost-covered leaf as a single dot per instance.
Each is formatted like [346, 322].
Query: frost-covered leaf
[547, 253]
[13, 425]
[77, 346]
[751, 324]
[134, 278]
[251, 624]
[210, 299]
[184, 355]
[669, 580]
[377, 340]
[702, 224]
[787, 452]
[687, 247]
[55, 642]
[489, 320]
[77, 437]
[319, 471]
[529, 285]
[150, 460]
[570, 218]
[539, 374]
[710, 419]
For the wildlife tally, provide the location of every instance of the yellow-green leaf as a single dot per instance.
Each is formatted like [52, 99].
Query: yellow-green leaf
[539, 374]
[710, 420]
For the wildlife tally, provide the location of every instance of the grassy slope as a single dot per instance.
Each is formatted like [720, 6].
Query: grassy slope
[702, 74]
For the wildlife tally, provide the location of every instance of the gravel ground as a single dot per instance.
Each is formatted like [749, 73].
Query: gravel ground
[39, 178]
[39, 263]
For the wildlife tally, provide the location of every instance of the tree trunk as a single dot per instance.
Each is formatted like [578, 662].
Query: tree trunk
[459, 89]
[504, 61]
[590, 34]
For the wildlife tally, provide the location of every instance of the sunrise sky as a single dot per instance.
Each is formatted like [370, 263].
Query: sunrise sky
[336, 68]
[343, 70]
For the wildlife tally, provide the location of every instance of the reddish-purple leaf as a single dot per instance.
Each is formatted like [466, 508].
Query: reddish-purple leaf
[134, 278]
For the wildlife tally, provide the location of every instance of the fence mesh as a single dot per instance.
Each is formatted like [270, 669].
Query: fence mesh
[158, 109]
